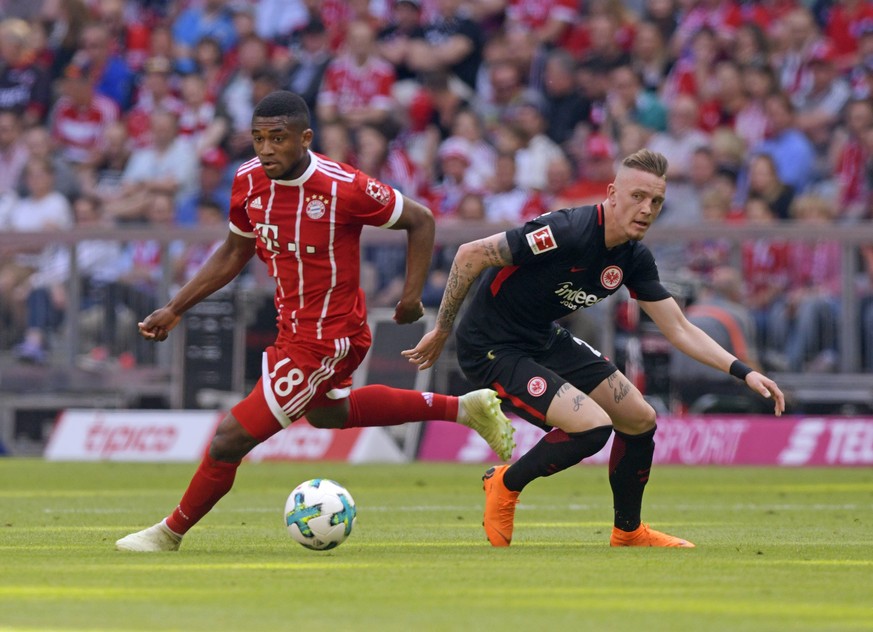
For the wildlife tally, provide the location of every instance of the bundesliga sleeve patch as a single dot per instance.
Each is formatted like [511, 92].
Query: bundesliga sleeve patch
[541, 240]
[378, 191]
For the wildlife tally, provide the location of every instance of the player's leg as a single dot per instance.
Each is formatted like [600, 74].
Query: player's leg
[379, 405]
[577, 426]
[630, 461]
[214, 476]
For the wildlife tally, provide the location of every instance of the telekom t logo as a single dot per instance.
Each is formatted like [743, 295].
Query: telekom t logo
[802, 442]
[269, 234]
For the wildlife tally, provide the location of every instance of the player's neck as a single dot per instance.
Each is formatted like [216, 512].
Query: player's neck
[613, 235]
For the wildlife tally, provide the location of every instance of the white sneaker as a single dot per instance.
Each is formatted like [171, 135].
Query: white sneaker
[156, 538]
[480, 410]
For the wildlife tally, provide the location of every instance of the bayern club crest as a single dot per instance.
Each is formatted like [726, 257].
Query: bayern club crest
[536, 386]
[611, 277]
[315, 209]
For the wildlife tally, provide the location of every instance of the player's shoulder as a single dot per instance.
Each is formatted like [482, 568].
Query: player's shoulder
[577, 217]
[333, 170]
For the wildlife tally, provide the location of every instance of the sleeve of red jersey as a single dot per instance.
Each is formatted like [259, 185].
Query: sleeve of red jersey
[239, 219]
[373, 203]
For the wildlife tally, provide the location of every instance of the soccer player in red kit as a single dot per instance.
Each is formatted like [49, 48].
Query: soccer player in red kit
[302, 214]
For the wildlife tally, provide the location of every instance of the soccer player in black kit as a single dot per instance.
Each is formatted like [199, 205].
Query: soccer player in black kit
[534, 274]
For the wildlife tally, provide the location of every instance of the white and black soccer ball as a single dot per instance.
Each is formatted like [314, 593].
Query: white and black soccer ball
[320, 514]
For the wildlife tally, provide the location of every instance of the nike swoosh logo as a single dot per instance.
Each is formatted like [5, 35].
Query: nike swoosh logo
[575, 269]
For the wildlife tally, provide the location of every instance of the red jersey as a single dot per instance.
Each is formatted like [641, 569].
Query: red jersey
[80, 131]
[308, 233]
[350, 87]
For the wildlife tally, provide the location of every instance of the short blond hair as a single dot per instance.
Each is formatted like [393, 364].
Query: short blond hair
[648, 161]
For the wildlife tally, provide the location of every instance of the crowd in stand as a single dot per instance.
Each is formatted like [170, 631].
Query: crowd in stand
[138, 112]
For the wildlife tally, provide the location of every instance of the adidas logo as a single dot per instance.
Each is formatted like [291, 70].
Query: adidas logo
[256, 203]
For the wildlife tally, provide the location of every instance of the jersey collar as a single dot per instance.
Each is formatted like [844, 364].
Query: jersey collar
[296, 182]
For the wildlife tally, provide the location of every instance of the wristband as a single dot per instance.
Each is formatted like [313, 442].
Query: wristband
[739, 370]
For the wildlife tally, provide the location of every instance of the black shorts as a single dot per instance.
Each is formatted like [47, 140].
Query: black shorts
[527, 381]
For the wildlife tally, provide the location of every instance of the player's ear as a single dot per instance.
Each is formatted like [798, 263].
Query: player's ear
[306, 138]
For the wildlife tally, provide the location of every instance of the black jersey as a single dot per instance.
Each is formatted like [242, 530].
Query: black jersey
[560, 264]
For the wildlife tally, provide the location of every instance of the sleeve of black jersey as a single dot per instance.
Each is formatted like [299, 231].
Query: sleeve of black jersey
[544, 238]
[643, 281]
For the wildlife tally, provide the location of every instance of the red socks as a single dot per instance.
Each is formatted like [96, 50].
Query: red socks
[379, 405]
[212, 480]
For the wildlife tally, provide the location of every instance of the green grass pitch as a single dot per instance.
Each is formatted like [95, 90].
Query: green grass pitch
[778, 549]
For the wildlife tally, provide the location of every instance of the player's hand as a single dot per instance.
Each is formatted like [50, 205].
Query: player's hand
[768, 388]
[408, 312]
[427, 350]
[157, 325]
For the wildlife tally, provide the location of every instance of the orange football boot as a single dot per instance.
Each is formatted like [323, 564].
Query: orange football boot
[644, 536]
[499, 507]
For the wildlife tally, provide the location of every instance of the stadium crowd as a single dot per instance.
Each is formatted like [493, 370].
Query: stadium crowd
[137, 112]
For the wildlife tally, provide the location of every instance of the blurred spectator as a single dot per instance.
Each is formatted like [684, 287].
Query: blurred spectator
[506, 202]
[721, 17]
[24, 86]
[213, 187]
[168, 166]
[64, 21]
[209, 215]
[720, 311]
[814, 293]
[451, 42]
[357, 84]
[546, 23]
[567, 106]
[80, 117]
[386, 160]
[455, 155]
[751, 47]
[595, 158]
[211, 18]
[684, 205]
[39, 141]
[846, 19]
[127, 30]
[682, 137]
[104, 180]
[649, 56]
[627, 102]
[791, 150]
[335, 142]
[765, 270]
[197, 112]
[232, 126]
[750, 122]
[309, 62]
[764, 183]
[43, 209]
[801, 36]
[155, 93]
[468, 125]
[604, 50]
[694, 74]
[867, 307]
[820, 101]
[851, 156]
[537, 150]
[13, 152]
[47, 297]
[111, 74]
[507, 90]
[396, 38]
[208, 64]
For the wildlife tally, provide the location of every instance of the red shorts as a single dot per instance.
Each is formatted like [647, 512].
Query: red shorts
[295, 378]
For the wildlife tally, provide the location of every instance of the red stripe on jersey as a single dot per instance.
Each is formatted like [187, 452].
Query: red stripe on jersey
[501, 392]
[504, 274]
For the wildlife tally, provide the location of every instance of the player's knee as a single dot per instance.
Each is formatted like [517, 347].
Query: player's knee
[642, 421]
[231, 441]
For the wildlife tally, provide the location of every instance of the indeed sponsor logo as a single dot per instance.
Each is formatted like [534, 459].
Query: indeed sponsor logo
[106, 440]
[575, 298]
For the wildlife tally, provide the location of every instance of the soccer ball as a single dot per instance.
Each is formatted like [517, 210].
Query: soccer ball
[320, 514]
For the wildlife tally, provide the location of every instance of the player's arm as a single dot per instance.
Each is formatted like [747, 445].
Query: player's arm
[418, 222]
[694, 342]
[470, 261]
[219, 269]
